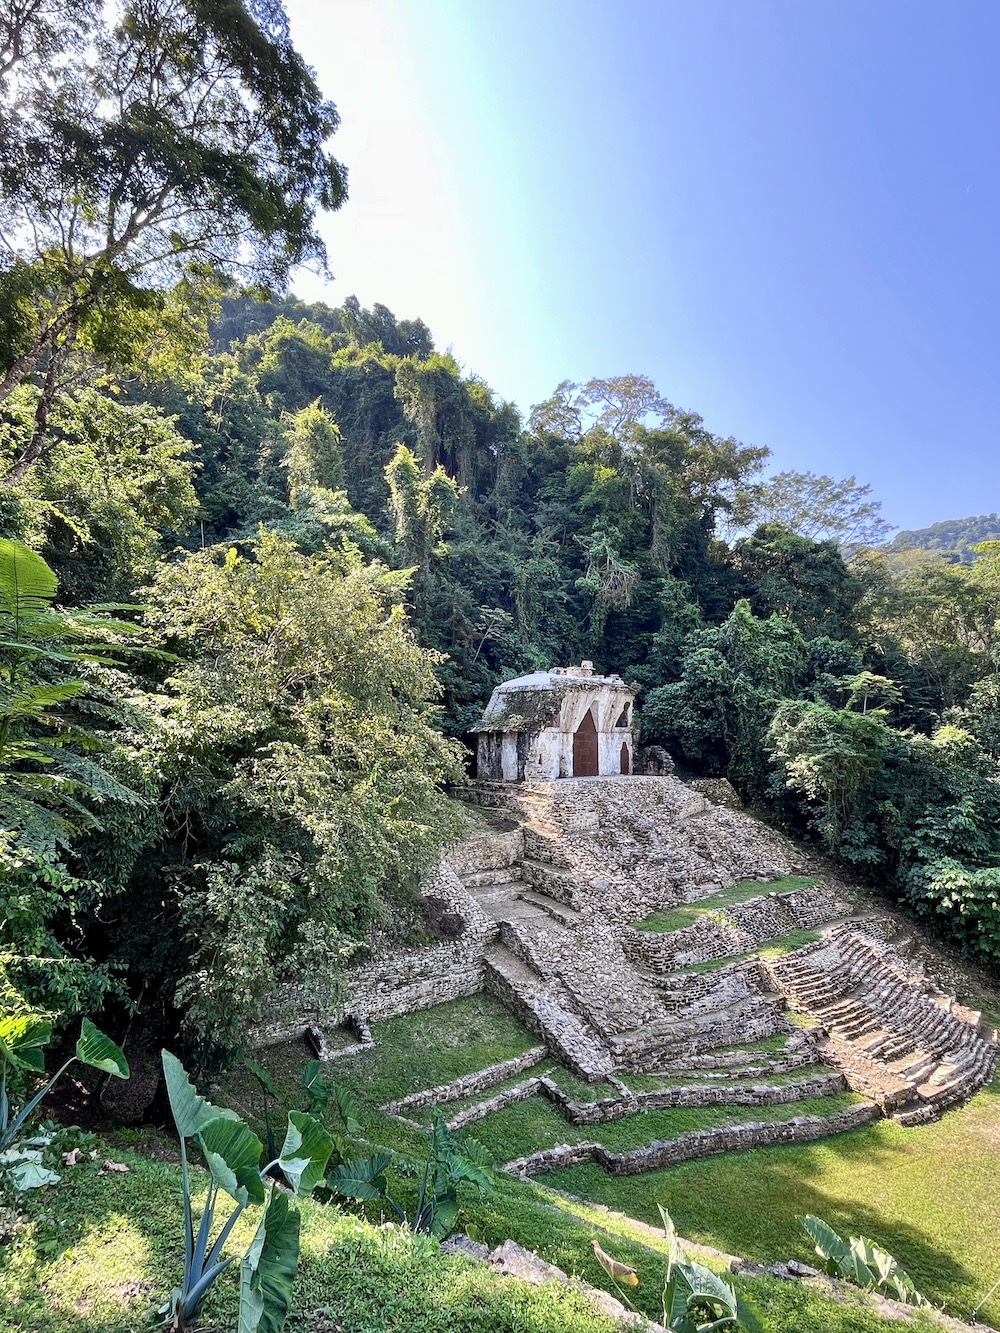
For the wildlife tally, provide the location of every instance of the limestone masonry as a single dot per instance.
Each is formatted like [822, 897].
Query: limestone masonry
[548, 892]
[567, 722]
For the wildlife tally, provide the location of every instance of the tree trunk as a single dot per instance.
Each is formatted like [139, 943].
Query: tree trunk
[36, 446]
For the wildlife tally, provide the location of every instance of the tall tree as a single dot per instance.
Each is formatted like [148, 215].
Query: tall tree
[142, 146]
[818, 508]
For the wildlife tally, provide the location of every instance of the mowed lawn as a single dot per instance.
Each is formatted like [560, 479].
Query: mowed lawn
[931, 1195]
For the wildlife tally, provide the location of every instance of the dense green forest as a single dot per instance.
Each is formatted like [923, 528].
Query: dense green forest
[955, 538]
[263, 563]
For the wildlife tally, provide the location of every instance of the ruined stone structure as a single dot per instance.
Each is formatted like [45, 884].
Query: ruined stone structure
[548, 892]
[567, 722]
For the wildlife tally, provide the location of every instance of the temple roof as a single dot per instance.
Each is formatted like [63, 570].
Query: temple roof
[532, 702]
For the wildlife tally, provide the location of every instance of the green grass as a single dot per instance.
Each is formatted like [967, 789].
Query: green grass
[794, 939]
[99, 1254]
[535, 1123]
[928, 1194]
[686, 914]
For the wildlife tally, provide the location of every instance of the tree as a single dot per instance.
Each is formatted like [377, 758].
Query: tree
[798, 577]
[314, 451]
[816, 507]
[164, 142]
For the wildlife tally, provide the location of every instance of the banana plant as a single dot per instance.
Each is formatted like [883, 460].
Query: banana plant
[695, 1300]
[861, 1261]
[22, 1039]
[443, 1170]
[231, 1153]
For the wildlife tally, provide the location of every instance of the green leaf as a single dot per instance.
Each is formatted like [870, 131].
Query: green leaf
[268, 1270]
[443, 1216]
[362, 1179]
[461, 1168]
[22, 1037]
[232, 1154]
[705, 1286]
[191, 1112]
[30, 1176]
[305, 1152]
[350, 1111]
[100, 1052]
[263, 1078]
[828, 1244]
[27, 584]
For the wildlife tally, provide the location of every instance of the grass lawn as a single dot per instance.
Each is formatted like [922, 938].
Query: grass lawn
[99, 1254]
[686, 914]
[931, 1195]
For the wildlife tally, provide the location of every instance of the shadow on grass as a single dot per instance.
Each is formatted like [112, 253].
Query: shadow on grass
[748, 1204]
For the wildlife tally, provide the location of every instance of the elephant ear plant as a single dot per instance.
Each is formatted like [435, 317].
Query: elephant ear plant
[231, 1153]
[22, 1038]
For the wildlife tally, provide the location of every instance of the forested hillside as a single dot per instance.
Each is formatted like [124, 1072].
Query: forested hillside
[955, 538]
[263, 562]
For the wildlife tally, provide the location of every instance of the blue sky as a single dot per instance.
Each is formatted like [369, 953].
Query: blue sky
[787, 214]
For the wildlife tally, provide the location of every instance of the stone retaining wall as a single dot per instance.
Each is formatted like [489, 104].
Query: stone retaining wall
[728, 931]
[699, 1143]
[467, 1084]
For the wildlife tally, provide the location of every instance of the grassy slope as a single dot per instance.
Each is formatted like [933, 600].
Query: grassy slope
[686, 914]
[929, 1194]
[112, 1248]
[98, 1253]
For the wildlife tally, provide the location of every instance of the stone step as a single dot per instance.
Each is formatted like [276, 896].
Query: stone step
[534, 1002]
[491, 881]
[566, 916]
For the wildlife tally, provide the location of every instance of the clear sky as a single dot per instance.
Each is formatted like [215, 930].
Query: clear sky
[786, 212]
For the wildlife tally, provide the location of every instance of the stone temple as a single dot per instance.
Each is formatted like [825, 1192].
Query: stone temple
[567, 722]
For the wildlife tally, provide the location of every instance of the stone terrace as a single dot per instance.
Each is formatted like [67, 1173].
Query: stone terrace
[546, 896]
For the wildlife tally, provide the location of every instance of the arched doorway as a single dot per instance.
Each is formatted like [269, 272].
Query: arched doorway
[625, 766]
[585, 763]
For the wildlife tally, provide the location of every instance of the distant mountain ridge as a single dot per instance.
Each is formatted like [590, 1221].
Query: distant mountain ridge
[953, 536]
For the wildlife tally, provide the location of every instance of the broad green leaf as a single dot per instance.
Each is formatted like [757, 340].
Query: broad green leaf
[191, 1112]
[350, 1111]
[361, 1179]
[828, 1244]
[22, 1037]
[30, 1176]
[443, 1216]
[100, 1052]
[704, 1285]
[460, 1168]
[674, 1251]
[477, 1152]
[305, 1152]
[268, 1270]
[232, 1154]
[263, 1078]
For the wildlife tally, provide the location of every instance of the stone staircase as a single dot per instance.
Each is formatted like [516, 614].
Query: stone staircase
[897, 1039]
[532, 1000]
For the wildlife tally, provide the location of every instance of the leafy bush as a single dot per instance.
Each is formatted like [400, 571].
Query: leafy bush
[22, 1037]
[440, 1174]
[861, 1261]
[695, 1300]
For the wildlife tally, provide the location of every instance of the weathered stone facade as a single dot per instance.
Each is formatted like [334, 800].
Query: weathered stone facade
[545, 897]
[566, 722]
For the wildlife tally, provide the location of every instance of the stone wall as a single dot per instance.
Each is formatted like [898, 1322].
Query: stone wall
[734, 930]
[699, 1143]
[467, 1084]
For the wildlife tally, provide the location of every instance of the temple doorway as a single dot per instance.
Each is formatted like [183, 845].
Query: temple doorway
[585, 763]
